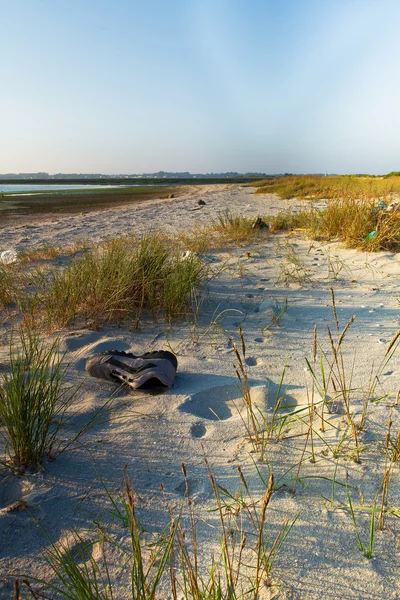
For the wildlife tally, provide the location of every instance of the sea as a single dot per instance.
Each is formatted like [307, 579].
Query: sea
[29, 189]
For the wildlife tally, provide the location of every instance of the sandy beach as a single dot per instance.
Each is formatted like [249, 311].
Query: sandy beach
[276, 289]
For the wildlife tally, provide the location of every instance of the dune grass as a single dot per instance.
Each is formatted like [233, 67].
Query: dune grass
[121, 279]
[8, 284]
[287, 221]
[33, 399]
[356, 223]
[227, 229]
[49, 252]
[243, 568]
[320, 187]
[348, 220]
[351, 213]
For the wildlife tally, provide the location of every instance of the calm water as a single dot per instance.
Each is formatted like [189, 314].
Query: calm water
[32, 188]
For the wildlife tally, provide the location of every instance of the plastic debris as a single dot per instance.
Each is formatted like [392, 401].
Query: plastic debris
[380, 206]
[393, 206]
[370, 235]
[8, 256]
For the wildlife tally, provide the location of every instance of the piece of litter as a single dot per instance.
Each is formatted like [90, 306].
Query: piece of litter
[382, 341]
[363, 306]
[8, 256]
[378, 325]
[133, 459]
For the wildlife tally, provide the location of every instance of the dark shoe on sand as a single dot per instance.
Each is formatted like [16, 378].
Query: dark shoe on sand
[149, 371]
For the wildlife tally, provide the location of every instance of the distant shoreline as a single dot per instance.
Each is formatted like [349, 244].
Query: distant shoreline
[143, 181]
[15, 206]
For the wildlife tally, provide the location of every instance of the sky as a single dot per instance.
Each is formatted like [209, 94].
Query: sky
[272, 86]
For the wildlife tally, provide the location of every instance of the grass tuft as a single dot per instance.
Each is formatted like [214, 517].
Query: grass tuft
[33, 399]
[121, 279]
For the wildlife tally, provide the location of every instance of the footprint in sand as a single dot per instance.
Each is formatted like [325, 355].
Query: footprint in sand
[77, 341]
[251, 361]
[198, 430]
[196, 487]
[94, 342]
[211, 404]
[10, 494]
[215, 403]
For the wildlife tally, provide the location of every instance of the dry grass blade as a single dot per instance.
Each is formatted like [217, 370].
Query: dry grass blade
[392, 342]
[345, 330]
[265, 502]
[241, 372]
[334, 309]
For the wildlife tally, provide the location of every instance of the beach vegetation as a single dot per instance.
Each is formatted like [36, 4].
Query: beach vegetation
[361, 211]
[359, 224]
[8, 284]
[120, 279]
[225, 230]
[243, 568]
[48, 252]
[33, 399]
[330, 187]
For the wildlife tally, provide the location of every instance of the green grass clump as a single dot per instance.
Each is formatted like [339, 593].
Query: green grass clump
[121, 279]
[33, 400]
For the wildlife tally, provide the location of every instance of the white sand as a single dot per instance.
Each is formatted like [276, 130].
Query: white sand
[153, 435]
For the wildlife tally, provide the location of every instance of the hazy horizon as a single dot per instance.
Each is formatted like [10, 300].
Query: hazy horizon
[210, 86]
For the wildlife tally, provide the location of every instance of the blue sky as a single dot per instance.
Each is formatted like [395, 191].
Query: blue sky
[200, 85]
